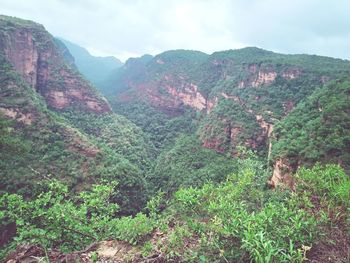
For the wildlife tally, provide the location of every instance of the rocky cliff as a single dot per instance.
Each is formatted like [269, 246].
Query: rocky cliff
[63, 128]
[34, 54]
[239, 94]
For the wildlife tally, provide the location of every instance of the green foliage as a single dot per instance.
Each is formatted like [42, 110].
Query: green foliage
[236, 220]
[240, 219]
[10, 144]
[244, 85]
[133, 69]
[10, 21]
[318, 129]
[329, 182]
[76, 147]
[154, 204]
[147, 248]
[228, 126]
[200, 212]
[116, 133]
[178, 62]
[54, 219]
[187, 163]
[251, 55]
[133, 229]
[161, 129]
[58, 150]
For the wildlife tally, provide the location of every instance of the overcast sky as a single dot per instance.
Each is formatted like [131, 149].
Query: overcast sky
[129, 28]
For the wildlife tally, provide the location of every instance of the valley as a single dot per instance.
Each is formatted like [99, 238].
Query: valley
[236, 156]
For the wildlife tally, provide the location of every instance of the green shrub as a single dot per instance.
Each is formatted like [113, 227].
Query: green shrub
[240, 219]
[53, 219]
[328, 182]
[133, 229]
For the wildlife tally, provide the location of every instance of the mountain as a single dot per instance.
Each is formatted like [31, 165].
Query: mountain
[237, 156]
[66, 127]
[95, 69]
[131, 70]
[240, 96]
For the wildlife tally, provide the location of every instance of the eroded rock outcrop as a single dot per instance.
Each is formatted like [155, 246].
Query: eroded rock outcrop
[282, 174]
[258, 76]
[18, 115]
[189, 96]
[34, 55]
[264, 78]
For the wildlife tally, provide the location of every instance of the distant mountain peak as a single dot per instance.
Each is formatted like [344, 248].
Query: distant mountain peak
[95, 68]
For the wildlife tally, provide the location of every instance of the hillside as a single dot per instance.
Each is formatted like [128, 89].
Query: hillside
[44, 100]
[240, 95]
[238, 156]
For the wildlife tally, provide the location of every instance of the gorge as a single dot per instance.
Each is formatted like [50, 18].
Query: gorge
[238, 156]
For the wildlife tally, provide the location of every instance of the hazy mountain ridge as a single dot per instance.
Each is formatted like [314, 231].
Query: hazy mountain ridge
[96, 69]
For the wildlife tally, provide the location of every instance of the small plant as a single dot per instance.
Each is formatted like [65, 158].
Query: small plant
[94, 256]
[147, 249]
[133, 229]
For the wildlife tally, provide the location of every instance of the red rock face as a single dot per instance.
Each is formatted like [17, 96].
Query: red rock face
[189, 96]
[282, 174]
[224, 136]
[16, 114]
[213, 144]
[23, 55]
[35, 56]
[170, 94]
[266, 76]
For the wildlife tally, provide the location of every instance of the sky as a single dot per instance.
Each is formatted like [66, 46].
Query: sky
[131, 28]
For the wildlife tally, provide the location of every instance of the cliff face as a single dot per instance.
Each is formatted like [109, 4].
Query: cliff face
[34, 54]
[171, 82]
[67, 128]
[172, 94]
[164, 81]
[240, 95]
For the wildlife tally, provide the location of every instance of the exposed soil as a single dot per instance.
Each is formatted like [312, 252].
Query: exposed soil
[334, 247]
[107, 251]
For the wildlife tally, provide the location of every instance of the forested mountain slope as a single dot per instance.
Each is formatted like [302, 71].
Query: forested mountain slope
[44, 101]
[239, 96]
[178, 164]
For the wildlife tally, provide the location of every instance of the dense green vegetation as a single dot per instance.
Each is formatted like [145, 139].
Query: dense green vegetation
[229, 126]
[55, 146]
[180, 168]
[161, 129]
[244, 85]
[236, 220]
[318, 129]
[306, 101]
[117, 133]
[187, 163]
[182, 63]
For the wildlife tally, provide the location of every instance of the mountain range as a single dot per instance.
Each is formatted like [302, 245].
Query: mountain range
[182, 119]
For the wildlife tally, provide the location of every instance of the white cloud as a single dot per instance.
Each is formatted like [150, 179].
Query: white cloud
[133, 27]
